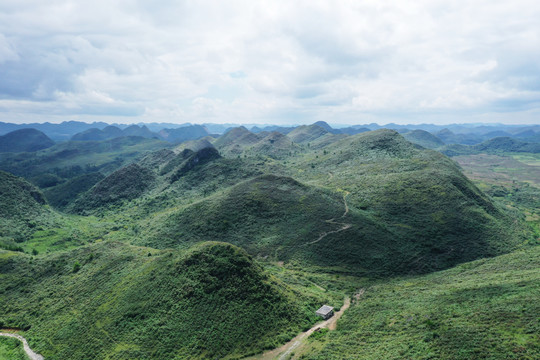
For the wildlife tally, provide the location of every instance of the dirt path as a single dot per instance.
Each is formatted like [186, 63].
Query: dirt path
[284, 351]
[32, 355]
[344, 226]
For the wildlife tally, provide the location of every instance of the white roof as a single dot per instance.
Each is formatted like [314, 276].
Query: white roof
[325, 309]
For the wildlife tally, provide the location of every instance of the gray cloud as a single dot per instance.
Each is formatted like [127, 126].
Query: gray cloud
[279, 61]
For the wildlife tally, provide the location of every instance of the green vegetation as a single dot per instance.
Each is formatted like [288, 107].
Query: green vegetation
[60, 167]
[11, 349]
[496, 146]
[437, 217]
[486, 309]
[307, 133]
[28, 224]
[113, 300]
[423, 138]
[409, 209]
[125, 184]
[125, 264]
[22, 210]
[24, 140]
[508, 181]
[62, 195]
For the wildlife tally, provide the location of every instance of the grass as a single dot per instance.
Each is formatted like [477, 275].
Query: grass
[480, 310]
[11, 349]
[111, 300]
[527, 158]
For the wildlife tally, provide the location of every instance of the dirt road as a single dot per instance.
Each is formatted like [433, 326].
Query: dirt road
[284, 351]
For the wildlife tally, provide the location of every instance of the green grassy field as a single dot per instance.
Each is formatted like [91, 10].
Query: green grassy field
[528, 158]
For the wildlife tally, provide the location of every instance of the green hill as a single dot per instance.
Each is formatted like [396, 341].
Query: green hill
[114, 301]
[28, 224]
[235, 141]
[18, 197]
[306, 133]
[73, 158]
[142, 131]
[94, 134]
[187, 160]
[409, 209]
[499, 145]
[486, 309]
[438, 217]
[69, 166]
[60, 196]
[281, 218]
[185, 133]
[111, 132]
[24, 140]
[22, 210]
[194, 145]
[124, 184]
[274, 144]
[423, 138]
[141, 277]
[240, 141]
[507, 144]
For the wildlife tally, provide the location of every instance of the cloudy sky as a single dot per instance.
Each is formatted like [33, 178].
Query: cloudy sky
[287, 62]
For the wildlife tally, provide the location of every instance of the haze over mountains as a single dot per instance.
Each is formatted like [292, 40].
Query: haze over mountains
[464, 133]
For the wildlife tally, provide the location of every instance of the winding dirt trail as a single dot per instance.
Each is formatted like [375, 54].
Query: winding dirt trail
[282, 352]
[31, 354]
[344, 226]
[285, 350]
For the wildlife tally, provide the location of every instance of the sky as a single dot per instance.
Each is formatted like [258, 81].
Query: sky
[280, 62]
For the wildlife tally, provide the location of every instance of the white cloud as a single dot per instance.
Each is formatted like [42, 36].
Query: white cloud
[278, 61]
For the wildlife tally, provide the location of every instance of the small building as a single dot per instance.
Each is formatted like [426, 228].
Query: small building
[326, 312]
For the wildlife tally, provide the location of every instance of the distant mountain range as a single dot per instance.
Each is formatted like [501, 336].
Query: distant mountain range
[468, 134]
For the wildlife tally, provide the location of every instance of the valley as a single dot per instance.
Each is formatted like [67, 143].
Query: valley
[224, 246]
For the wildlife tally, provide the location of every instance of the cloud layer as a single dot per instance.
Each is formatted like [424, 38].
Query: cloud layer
[270, 61]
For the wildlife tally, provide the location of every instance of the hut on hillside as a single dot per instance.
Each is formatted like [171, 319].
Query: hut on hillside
[326, 312]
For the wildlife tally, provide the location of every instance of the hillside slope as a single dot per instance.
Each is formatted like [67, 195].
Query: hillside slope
[485, 309]
[22, 209]
[111, 132]
[124, 184]
[281, 218]
[306, 133]
[192, 132]
[423, 138]
[114, 301]
[438, 217]
[235, 141]
[24, 140]
[498, 145]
